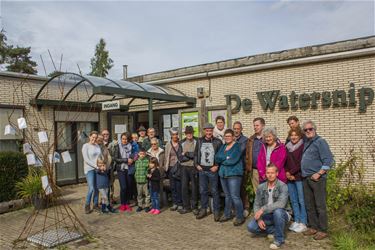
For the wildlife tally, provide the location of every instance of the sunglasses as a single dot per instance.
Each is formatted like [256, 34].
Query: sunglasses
[308, 129]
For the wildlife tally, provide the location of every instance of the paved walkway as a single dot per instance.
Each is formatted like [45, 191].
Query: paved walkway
[169, 230]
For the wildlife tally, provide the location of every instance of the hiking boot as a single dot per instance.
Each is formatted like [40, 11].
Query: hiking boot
[310, 232]
[147, 209]
[184, 211]
[104, 209]
[174, 207]
[87, 209]
[216, 216]
[202, 213]
[139, 209]
[96, 208]
[238, 222]
[320, 236]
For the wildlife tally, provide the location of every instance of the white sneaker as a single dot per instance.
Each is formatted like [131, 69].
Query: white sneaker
[275, 245]
[293, 226]
[300, 228]
[270, 237]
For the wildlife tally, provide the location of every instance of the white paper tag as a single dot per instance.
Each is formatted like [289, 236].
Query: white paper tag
[56, 158]
[120, 128]
[45, 184]
[21, 123]
[30, 159]
[43, 136]
[9, 130]
[66, 157]
[27, 148]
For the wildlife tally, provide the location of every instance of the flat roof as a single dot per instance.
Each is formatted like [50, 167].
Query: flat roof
[258, 59]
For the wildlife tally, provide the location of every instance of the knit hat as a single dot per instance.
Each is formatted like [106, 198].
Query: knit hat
[189, 130]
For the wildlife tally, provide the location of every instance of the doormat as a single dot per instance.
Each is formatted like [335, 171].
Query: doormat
[54, 237]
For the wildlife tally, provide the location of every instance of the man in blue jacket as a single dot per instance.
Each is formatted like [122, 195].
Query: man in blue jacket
[317, 159]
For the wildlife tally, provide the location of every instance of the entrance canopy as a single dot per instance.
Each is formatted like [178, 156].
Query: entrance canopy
[71, 89]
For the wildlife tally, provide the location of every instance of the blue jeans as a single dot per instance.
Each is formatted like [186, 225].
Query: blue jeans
[155, 200]
[91, 183]
[207, 178]
[125, 183]
[232, 188]
[275, 224]
[176, 189]
[295, 189]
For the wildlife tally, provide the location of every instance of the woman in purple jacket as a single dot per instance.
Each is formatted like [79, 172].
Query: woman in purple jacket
[293, 174]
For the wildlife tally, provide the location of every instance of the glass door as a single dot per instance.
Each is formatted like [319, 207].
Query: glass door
[65, 172]
[83, 132]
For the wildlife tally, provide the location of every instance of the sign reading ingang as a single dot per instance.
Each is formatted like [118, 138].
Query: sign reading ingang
[111, 105]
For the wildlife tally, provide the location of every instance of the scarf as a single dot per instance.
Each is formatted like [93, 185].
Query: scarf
[152, 153]
[219, 133]
[292, 147]
[125, 151]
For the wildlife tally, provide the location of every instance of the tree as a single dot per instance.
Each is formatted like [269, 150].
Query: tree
[20, 61]
[101, 63]
[16, 59]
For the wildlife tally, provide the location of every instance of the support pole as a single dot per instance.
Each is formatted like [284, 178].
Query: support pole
[150, 114]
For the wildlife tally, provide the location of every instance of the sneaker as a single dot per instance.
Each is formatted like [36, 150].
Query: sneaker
[270, 237]
[174, 207]
[238, 222]
[156, 211]
[293, 226]
[179, 208]
[139, 209]
[151, 211]
[300, 228]
[275, 245]
[104, 209]
[128, 208]
[320, 236]
[147, 209]
[202, 213]
[87, 209]
[122, 208]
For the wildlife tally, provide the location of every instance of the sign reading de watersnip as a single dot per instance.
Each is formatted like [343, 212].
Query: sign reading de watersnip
[111, 105]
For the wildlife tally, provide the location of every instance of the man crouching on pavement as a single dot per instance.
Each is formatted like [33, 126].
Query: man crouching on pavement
[269, 207]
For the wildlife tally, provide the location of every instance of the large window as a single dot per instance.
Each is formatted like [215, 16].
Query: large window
[9, 142]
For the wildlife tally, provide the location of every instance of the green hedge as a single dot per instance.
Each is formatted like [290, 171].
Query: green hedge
[13, 167]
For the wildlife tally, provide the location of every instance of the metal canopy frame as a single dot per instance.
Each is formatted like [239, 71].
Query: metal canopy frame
[114, 89]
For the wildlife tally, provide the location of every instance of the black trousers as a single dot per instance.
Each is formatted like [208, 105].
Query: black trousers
[189, 175]
[315, 201]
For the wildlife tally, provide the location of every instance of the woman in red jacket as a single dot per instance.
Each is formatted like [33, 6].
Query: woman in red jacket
[272, 151]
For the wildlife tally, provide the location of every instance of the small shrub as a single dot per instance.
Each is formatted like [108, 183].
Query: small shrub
[345, 241]
[13, 167]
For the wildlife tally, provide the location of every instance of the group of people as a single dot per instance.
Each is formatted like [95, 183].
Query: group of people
[224, 161]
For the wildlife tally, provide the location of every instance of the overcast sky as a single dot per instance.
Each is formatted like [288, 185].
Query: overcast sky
[156, 36]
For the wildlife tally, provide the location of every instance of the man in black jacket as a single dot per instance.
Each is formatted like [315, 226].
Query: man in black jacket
[208, 169]
[189, 172]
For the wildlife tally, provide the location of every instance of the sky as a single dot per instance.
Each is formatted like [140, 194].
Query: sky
[153, 36]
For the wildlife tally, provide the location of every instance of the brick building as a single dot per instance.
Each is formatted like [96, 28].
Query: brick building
[332, 84]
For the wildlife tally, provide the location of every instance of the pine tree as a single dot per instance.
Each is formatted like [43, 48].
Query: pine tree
[101, 63]
[20, 61]
[16, 59]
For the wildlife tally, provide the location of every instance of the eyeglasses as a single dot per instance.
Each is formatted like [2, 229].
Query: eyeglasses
[308, 129]
[154, 144]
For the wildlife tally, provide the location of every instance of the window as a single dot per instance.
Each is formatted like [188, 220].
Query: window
[9, 142]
